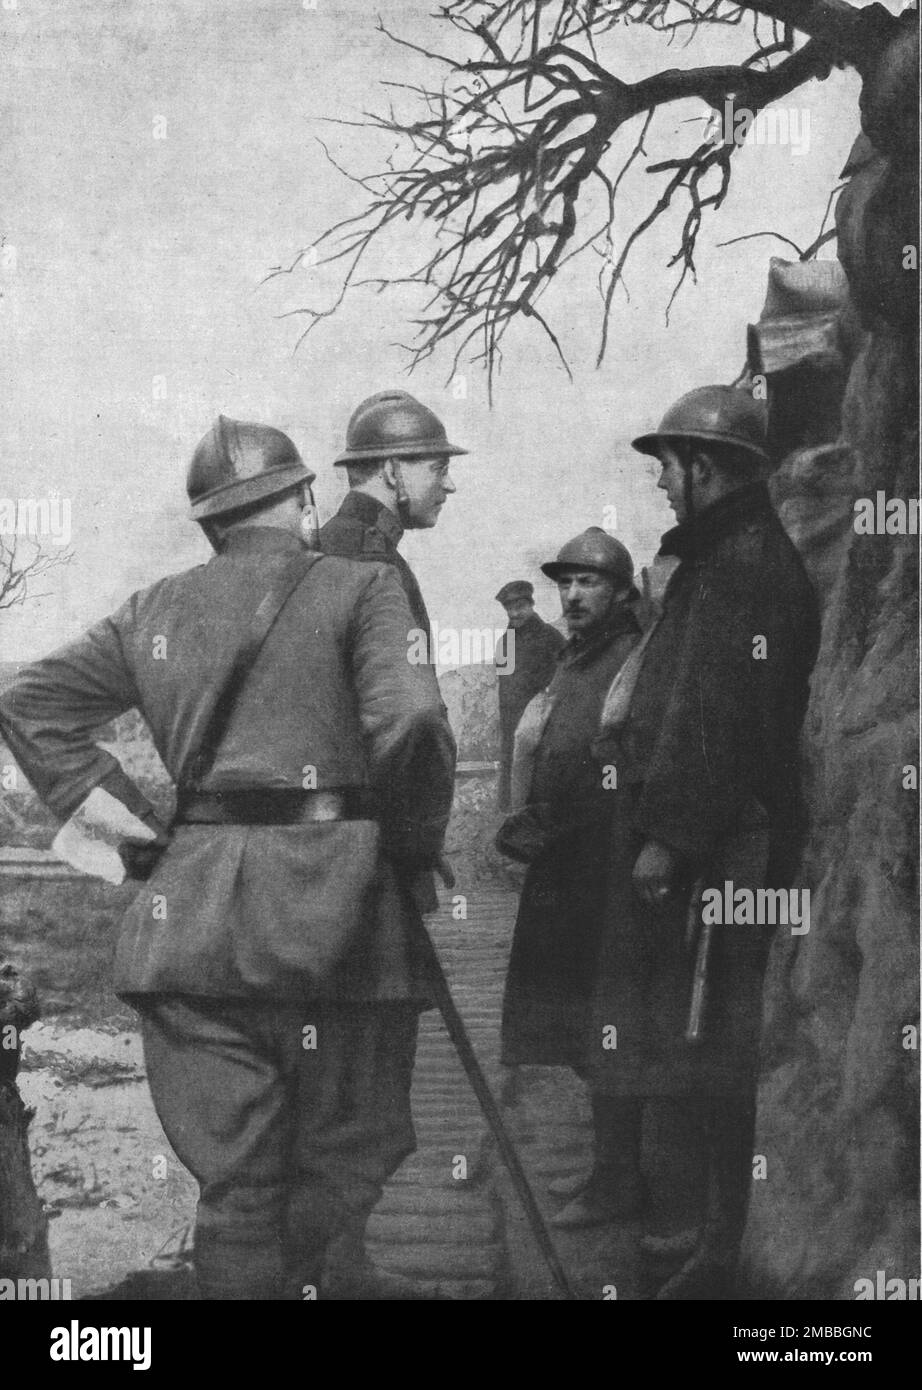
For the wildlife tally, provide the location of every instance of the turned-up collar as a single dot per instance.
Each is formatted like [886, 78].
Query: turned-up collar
[693, 539]
[370, 512]
[580, 651]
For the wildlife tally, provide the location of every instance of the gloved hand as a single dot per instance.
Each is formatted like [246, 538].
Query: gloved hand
[140, 857]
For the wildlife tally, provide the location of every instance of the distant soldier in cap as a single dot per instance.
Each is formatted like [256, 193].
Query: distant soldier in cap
[704, 729]
[271, 952]
[525, 663]
[396, 459]
[563, 833]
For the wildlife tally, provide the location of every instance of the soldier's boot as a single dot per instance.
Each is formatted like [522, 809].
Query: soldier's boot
[708, 1270]
[613, 1190]
[351, 1276]
[237, 1249]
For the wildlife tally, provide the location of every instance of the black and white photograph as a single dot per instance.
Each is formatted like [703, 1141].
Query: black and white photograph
[459, 664]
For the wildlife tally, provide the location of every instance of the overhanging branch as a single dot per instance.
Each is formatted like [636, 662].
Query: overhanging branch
[499, 158]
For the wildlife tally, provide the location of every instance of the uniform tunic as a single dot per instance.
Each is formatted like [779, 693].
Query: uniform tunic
[536, 648]
[332, 703]
[709, 765]
[364, 529]
[555, 944]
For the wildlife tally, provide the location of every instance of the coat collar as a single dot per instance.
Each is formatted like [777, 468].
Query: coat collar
[370, 512]
[257, 540]
[695, 539]
[581, 651]
[530, 625]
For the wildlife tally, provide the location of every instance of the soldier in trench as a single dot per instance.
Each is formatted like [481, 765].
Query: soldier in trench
[704, 730]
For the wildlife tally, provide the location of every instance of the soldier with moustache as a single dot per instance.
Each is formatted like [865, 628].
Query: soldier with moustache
[271, 952]
[526, 658]
[703, 725]
[563, 833]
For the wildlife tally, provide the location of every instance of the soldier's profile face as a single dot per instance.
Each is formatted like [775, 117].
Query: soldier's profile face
[427, 484]
[585, 598]
[518, 611]
[672, 480]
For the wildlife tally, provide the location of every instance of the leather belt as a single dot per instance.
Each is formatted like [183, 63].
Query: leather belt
[273, 806]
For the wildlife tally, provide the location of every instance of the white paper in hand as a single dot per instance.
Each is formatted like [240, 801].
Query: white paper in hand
[89, 840]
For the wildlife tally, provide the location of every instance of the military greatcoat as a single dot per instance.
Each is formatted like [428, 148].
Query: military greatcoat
[561, 912]
[708, 765]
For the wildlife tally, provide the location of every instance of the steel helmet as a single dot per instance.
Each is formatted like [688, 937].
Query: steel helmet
[716, 414]
[237, 464]
[595, 549]
[394, 424]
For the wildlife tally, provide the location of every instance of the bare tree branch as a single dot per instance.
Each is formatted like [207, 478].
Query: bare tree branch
[500, 157]
[18, 573]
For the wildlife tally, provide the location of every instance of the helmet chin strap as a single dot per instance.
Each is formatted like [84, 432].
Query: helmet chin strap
[689, 498]
[402, 498]
[310, 526]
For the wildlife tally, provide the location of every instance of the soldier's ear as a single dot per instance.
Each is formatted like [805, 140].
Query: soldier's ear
[702, 467]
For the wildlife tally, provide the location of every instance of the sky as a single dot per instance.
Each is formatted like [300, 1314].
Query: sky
[161, 158]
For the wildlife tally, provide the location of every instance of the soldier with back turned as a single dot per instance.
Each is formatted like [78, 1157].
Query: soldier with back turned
[272, 953]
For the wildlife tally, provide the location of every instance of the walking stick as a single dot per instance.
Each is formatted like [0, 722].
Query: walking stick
[454, 1025]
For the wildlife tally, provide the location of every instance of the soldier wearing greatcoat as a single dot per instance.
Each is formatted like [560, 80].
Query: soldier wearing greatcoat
[563, 831]
[704, 728]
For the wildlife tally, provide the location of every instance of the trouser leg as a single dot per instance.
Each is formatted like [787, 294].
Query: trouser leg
[223, 1103]
[732, 1132]
[714, 1192]
[360, 1127]
[676, 1163]
[613, 1190]
[617, 1128]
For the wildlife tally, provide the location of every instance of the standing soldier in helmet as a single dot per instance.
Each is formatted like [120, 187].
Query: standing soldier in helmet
[563, 833]
[704, 729]
[396, 461]
[526, 657]
[271, 952]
